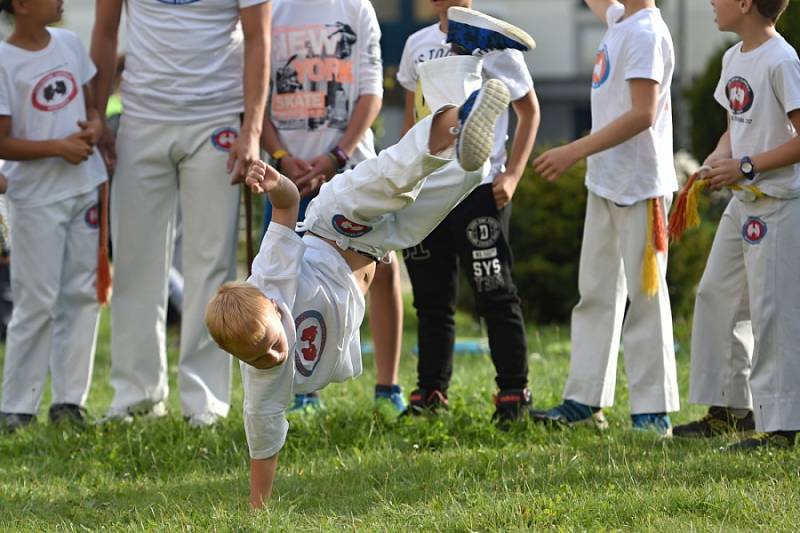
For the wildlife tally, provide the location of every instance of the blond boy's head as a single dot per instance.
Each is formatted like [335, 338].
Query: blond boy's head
[247, 324]
[732, 14]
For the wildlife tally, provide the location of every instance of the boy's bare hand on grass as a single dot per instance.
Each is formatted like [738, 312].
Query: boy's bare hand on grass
[261, 177]
[555, 162]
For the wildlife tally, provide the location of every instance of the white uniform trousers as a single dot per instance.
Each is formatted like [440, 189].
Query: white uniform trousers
[54, 321]
[609, 275]
[752, 273]
[158, 165]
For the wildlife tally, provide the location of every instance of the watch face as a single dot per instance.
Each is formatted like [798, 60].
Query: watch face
[747, 168]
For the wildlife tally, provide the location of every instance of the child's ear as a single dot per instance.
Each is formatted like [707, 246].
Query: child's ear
[745, 6]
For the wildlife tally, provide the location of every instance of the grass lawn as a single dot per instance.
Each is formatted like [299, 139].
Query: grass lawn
[350, 469]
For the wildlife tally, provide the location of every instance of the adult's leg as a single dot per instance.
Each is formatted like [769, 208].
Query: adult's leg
[485, 253]
[722, 337]
[647, 329]
[433, 271]
[209, 205]
[77, 311]
[144, 198]
[38, 236]
[597, 318]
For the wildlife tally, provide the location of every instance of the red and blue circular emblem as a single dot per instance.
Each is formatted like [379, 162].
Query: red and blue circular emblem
[92, 217]
[311, 336]
[602, 68]
[223, 138]
[349, 228]
[754, 230]
[740, 95]
[55, 91]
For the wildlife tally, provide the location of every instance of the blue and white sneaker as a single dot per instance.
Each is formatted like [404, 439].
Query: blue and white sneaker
[306, 404]
[477, 118]
[571, 413]
[473, 32]
[653, 422]
[389, 399]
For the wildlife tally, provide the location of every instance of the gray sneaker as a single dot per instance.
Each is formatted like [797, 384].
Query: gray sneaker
[12, 422]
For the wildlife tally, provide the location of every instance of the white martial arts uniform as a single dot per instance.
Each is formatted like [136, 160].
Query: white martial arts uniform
[620, 182]
[182, 98]
[752, 272]
[390, 202]
[54, 228]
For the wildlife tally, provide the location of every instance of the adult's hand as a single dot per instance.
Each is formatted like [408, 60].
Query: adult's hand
[244, 151]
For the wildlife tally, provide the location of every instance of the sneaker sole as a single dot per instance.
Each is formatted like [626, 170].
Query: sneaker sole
[482, 20]
[477, 134]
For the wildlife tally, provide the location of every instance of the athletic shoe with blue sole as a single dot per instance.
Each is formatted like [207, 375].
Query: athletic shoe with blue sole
[391, 397]
[653, 422]
[306, 404]
[477, 118]
[570, 414]
[473, 32]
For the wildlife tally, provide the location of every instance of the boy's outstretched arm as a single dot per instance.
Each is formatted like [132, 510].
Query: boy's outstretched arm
[600, 7]
[528, 118]
[725, 171]
[283, 194]
[642, 115]
[262, 474]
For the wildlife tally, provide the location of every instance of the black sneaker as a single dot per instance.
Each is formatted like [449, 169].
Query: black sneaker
[67, 412]
[717, 421]
[11, 422]
[783, 440]
[511, 405]
[424, 401]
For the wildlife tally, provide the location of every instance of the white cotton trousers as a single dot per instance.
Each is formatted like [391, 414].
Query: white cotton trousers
[54, 321]
[159, 165]
[609, 276]
[748, 303]
[394, 201]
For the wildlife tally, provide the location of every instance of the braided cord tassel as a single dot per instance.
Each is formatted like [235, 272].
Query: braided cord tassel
[650, 261]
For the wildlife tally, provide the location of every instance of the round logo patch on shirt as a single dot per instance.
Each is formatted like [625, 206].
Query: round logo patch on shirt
[223, 138]
[740, 95]
[754, 230]
[483, 232]
[311, 336]
[55, 91]
[602, 68]
[92, 217]
[349, 228]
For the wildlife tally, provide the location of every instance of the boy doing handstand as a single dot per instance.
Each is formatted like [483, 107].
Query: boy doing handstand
[295, 323]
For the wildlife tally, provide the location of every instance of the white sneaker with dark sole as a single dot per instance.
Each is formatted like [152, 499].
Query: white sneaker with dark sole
[477, 119]
[474, 32]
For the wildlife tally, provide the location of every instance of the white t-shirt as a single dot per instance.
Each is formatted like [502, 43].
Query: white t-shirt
[322, 307]
[758, 89]
[637, 47]
[184, 60]
[42, 92]
[325, 54]
[507, 65]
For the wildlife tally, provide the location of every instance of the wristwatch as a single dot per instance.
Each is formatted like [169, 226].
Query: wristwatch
[747, 168]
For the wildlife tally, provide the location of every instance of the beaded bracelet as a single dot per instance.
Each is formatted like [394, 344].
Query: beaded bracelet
[340, 155]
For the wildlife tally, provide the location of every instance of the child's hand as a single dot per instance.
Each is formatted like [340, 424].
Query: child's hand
[555, 162]
[76, 148]
[261, 177]
[94, 127]
[724, 172]
[294, 167]
[503, 188]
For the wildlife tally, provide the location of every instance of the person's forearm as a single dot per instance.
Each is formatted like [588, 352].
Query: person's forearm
[256, 66]
[269, 137]
[617, 132]
[784, 155]
[528, 118]
[364, 113]
[103, 50]
[262, 475]
[284, 195]
[12, 149]
[723, 149]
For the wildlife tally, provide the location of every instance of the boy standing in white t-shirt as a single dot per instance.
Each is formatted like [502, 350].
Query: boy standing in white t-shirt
[631, 179]
[752, 268]
[47, 130]
[474, 236]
